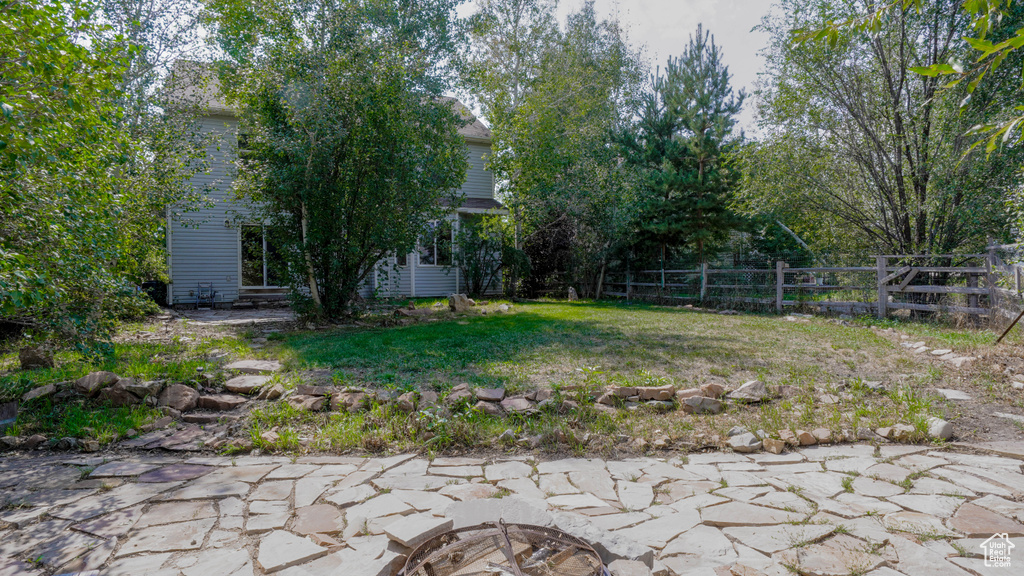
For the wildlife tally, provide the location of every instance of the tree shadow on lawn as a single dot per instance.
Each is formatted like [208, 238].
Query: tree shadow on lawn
[498, 349]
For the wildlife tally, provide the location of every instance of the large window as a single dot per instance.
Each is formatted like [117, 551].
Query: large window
[261, 258]
[436, 244]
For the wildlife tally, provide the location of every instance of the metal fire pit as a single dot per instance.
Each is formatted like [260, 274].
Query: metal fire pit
[500, 549]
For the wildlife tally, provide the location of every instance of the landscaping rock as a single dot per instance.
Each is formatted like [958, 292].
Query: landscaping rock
[32, 357]
[805, 438]
[458, 394]
[118, 394]
[406, 402]
[459, 303]
[702, 405]
[629, 568]
[144, 389]
[745, 443]
[350, 401]
[280, 550]
[655, 392]
[91, 384]
[788, 437]
[773, 445]
[40, 392]
[220, 402]
[428, 399]
[953, 394]
[623, 391]
[179, 397]
[573, 296]
[490, 394]
[939, 429]
[901, 432]
[414, 530]
[245, 384]
[822, 435]
[271, 437]
[9, 443]
[519, 405]
[689, 393]
[489, 408]
[752, 391]
[311, 390]
[660, 405]
[712, 390]
[254, 366]
[271, 393]
[307, 403]
[607, 399]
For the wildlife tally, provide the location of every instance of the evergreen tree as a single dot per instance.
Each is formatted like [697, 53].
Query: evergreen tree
[681, 139]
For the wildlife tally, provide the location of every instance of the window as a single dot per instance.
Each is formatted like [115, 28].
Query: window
[402, 259]
[436, 245]
[261, 258]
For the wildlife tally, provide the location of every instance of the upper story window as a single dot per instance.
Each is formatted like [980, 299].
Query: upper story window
[436, 244]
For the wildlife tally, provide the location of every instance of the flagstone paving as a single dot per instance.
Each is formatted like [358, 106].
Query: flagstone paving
[827, 510]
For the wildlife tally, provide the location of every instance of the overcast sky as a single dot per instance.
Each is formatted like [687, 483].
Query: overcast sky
[663, 28]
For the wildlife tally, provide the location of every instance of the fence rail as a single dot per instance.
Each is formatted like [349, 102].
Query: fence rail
[981, 285]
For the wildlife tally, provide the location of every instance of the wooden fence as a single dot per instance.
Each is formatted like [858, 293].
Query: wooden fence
[971, 284]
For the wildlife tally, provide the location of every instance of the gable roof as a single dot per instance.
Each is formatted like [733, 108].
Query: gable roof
[194, 83]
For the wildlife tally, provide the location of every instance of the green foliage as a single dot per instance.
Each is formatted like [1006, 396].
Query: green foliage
[553, 97]
[485, 253]
[351, 150]
[680, 141]
[862, 155]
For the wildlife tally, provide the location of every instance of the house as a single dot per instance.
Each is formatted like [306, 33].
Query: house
[210, 246]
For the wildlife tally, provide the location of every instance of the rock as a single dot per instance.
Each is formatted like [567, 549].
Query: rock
[459, 303]
[611, 546]
[822, 435]
[157, 424]
[745, 443]
[607, 399]
[307, 403]
[503, 308]
[144, 389]
[939, 429]
[179, 397]
[91, 384]
[66, 443]
[573, 296]
[40, 392]
[953, 394]
[805, 438]
[220, 402]
[489, 408]
[428, 399]
[490, 394]
[271, 393]
[350, 401]
[313, 390]
[629, 568]
[279, 550]
[254, 366]
[874, 386]
[660, 405]
[33, 442]
[702, 405]
[406, 402]
[901, 432]
[270, 437]
[90, 445]
[458, 394]
[712, 390]
[976, 522]
[656, 392]
[415, 530]
[518, 405]
[623, 391]
[35, 357]
[752, 391]
[118, 394]
[10, 443]
[689, 393]
[773, 445]
[788, 437]
[736, 431]
[245, 384]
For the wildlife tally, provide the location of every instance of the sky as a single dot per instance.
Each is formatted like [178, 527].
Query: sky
[663, 28]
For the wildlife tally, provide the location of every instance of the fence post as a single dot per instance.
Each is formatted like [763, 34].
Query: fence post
[883, 292]
[703, 280]
[990, 279]
[1016, 279]
[780, 280]
[629, 276]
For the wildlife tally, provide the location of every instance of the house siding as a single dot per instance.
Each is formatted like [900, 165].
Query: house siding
[205, 250]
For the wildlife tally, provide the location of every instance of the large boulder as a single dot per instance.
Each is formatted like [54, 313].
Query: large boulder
[459, 303]
[35, 357]
[179, 397]
[91, 384]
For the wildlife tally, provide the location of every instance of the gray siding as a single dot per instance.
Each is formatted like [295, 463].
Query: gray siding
[479, 181]
[205, 250]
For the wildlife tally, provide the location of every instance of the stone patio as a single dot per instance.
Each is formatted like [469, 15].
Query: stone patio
[827, 510]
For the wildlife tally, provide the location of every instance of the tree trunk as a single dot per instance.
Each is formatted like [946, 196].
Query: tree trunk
[314, 290]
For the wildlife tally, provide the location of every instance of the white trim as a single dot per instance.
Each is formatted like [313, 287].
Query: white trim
[495, 211]
[238, 236]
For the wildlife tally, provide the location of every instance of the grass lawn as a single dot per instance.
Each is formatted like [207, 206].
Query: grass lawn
[818, 365]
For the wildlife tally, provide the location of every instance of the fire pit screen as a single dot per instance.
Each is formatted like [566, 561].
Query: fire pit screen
[501, 549]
